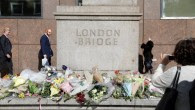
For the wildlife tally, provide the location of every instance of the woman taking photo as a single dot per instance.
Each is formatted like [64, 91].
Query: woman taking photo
[184, 55]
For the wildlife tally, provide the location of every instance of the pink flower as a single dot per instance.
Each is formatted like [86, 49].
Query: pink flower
[135, 72]
[66, 87]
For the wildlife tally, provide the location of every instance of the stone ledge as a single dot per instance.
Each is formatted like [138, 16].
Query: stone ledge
[104, 13]
[96, 9]
[110, 2]
[47, 104]
[99, 18]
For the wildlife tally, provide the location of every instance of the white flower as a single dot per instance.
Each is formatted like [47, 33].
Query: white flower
[101, 93]
[94, 91]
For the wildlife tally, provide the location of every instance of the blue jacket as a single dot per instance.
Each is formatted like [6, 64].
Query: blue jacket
[45, 46]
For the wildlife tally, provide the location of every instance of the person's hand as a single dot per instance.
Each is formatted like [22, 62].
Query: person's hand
[165, 59]
[45, 56]
[8, 56]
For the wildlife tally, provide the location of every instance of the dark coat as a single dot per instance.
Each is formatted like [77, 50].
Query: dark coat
[148, 56]
[45, 46]
[6, 65]
[148, 50]
[5, 46]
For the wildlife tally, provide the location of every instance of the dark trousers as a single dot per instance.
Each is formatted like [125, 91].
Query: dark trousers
[6, 66]
[40, 56]
[148, 66]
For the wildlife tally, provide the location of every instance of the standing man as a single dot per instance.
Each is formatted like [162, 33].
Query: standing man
[6, 65]
[45, 51]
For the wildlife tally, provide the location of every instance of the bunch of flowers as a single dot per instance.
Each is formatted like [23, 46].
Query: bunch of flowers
[45, 92]
[128, 86]
[97, 93]
[80, 98]
[86, 88]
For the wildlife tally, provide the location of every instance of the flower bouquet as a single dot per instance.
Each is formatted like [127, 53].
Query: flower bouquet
[80, 98]
[97, 93]
[45, 92]
[150, 91]
[4, 93]
[118, 92]
[97, 75]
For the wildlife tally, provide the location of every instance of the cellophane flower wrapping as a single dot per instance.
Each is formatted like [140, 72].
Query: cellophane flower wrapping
[66, 87]
[99, 92]
[5, 83]
[97, 75]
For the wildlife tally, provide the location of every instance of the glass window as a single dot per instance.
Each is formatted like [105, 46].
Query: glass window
[178, 9]
[20, 7]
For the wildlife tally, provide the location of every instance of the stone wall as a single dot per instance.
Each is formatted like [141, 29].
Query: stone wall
[106, 35]
[47, 104]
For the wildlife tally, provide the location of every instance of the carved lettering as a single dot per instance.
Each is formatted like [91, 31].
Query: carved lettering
[80, 41]
[87, 37]
[98, 32]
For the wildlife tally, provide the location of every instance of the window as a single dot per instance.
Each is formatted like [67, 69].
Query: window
[20, 8]
[16, 8]
[176, 9]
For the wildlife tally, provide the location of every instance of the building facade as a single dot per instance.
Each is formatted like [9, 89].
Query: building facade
[26, 31]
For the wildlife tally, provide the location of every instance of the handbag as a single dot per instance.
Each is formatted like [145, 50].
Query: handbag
[45, 62]
[168, 100]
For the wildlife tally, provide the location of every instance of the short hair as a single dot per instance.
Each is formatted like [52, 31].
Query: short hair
[6, 29]
[184, 52]
[46, 30]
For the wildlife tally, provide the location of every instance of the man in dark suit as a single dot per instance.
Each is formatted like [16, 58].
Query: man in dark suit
[6, 65]
[45, 51]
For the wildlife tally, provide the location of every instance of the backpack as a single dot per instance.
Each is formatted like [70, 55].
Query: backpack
[192, 96]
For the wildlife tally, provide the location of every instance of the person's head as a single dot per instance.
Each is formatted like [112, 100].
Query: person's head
[184, 52]
[48, 32]
[6, 31]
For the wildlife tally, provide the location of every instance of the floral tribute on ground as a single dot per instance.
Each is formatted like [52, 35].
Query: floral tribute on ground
[88, 87]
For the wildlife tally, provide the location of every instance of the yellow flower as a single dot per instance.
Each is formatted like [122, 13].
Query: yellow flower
[18, 81]
[54, 90]
[58, 81]
[21, 95]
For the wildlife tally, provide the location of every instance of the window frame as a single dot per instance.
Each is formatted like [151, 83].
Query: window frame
[12, 4]
[24, 17]
[164, 17]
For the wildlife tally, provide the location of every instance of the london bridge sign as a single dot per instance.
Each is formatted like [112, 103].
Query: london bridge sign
[103, 36]
[97, 37]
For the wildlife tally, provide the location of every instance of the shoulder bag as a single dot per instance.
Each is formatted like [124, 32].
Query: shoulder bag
[168, 100]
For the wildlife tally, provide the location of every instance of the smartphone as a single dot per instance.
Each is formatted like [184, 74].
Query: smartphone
[171, 58]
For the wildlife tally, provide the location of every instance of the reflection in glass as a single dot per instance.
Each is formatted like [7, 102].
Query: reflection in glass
[20, 7]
